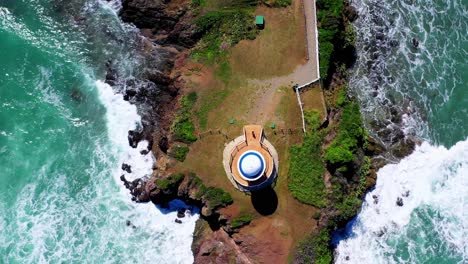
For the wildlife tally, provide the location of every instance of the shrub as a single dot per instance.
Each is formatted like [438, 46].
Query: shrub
[182, 127]
[329, 19]
[312, 120]
[214, 197]
[180, 152]
[305, 177]
[170, 182]
[241, 221]
[341, 98]
[349, 36]
[315, 249]
[350, 137]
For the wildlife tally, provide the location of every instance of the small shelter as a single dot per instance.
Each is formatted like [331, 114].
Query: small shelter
[260, 22]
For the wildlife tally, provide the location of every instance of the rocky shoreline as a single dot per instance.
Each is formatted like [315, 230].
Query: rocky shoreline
[169, 32]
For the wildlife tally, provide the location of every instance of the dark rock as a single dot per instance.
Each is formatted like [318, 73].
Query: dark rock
[158, 77]
[376, 199]
[144, 152]
[126, 183]
[403, 148]
[134, 137]
[146, 14]
[129, 223]
[178, 221]
[406, 194]
[399, 201]
[415, 43]
[129, 93]
[165, 24]
[347, 258]
[163, 144]
[181, 213]
[126, 167]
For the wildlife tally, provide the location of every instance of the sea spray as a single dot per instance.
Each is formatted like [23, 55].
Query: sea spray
[63, 139]
[410, 72]
[416, 213]
[122, 117]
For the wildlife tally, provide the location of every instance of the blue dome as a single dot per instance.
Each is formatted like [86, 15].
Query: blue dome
[251, 165]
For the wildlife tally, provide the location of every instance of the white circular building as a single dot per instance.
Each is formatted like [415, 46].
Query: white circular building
[250, 161]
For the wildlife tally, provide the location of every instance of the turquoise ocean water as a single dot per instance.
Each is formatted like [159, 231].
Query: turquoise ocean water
[63, 136]
[426, 79]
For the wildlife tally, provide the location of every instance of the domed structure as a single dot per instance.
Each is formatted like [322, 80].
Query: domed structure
[250, 161]
[251, 165]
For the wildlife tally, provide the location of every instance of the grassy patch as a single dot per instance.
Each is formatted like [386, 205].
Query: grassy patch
[351, 136]
[305, 177]
[180, 152]
[210, 101]
[223, 28]
[329, 19]
[224, 71]
[241, 221]
[182, 127]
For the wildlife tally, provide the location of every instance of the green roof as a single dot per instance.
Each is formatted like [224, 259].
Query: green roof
[259, 20]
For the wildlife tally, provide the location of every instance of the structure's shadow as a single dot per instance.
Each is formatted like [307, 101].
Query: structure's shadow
[265, 201]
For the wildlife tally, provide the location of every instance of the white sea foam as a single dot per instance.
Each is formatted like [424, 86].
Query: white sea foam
[176, 240]
[88, 216]
[432, 183]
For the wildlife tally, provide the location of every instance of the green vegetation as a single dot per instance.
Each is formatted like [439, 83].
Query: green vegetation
[278, 3]
[329, 19]
[197, 3]
[315, 249]
[350, 138]
[312, 120]
[180, 152]
[341, 98]
[224, 71]
[224, 28]
[241, 221]
[214, 197]
[211, 101]
[305, 177]
[170, 182]
[349, 35]
[182, 127]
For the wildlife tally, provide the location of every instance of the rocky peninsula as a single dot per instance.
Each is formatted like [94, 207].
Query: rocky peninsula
[193, 99]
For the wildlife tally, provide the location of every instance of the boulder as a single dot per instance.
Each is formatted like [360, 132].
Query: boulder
[399, 201]
[126, 167]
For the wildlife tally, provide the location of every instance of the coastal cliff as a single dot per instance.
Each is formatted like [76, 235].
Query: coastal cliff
[170, 34]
